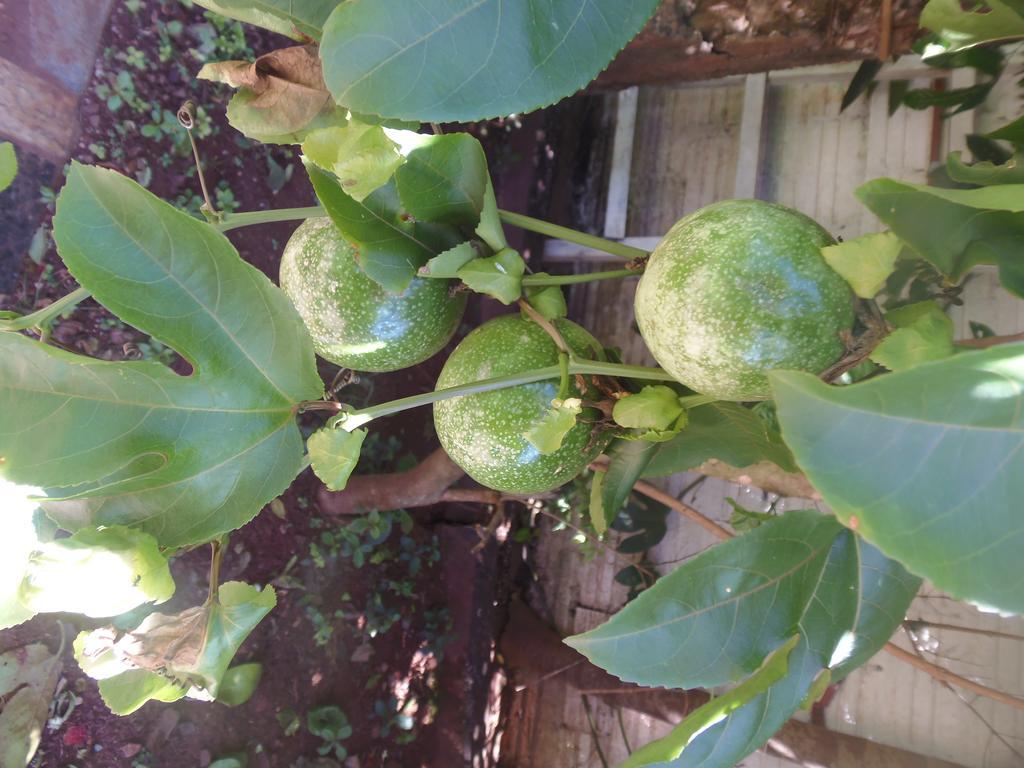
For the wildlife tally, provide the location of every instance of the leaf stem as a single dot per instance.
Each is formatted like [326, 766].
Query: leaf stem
[248, 218]
[541, 227]
[355, 419]
[585, 277]
[692, 401]
[44, 316]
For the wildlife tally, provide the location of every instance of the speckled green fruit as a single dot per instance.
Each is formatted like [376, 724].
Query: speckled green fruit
[354, 322]
[740, 288]
[483, 433]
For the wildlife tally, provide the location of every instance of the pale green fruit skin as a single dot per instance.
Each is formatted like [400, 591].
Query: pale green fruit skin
[483, 433]
[740, 288]
[354, 322]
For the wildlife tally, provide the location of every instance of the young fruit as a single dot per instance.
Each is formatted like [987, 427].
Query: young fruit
[354, 322]
[737, 289]
[483, 433]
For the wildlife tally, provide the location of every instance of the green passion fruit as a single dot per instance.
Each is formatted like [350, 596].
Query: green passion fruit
[740, 288]
[354, 322]
[483, 432]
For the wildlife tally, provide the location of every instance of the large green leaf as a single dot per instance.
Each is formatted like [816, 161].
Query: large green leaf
[927, 464]
[724, 431]
[169, 655]
[103, 572]
[715, 618]
[184, 458]
[955, 229]
[671, 746]
[959, 28]
[391, 247]
[16, 547]
[884, 593]
[294, 18]
[829, 613]
[463, 60]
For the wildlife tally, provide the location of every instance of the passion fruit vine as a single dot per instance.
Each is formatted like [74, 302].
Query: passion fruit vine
[354, 322]
[740, 288]
[483, 432]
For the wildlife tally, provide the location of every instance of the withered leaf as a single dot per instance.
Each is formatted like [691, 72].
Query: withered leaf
[281, 95]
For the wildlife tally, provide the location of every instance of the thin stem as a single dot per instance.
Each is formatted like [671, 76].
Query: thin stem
[248, 218]
[44, 316]
[913, 625]
[355, 419]
[693, 401]
[945, 676]
[563, 372]
[541, 227]
[585, 277]
[547, 325]
[216, 555]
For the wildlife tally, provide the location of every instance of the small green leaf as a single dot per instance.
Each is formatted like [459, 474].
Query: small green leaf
[923, 332]
[96, 573]
[361, 156]
[448, 263]
[465, 60]
[724, 431]
[334, 453]
[866, 262]
[986, 173]
[598, 518]
[626, 462]
[391, 247]
[329, 723]
[444, 179]
[490, 230]
[549, 432]
[654, 407]
[774, 668]
[548, 300]
[716, 617]
[126, 692]
[8, 164]
[239, 684]
[499, 276]
[926, 463]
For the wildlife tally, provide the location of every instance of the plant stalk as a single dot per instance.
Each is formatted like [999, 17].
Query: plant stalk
[541, 227]
[248, 218]
[42, 317]
[355, 419]
[585, 277]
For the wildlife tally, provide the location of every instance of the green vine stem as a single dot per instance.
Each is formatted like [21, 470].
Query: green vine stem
[355, 419]
[247, 218]
[41, 318]
[541, 227]
[585, 277]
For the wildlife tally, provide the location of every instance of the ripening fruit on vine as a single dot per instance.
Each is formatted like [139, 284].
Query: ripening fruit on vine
[483, 432]
[740, 288]
[354, 322]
